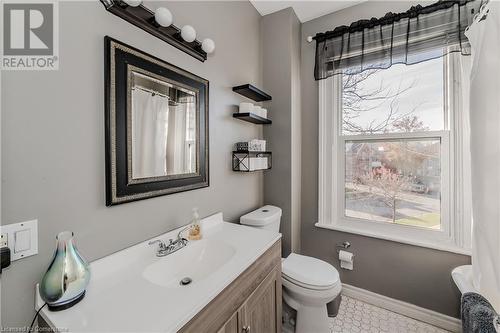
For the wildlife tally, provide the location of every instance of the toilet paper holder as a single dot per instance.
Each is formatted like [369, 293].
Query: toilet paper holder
[344, 245]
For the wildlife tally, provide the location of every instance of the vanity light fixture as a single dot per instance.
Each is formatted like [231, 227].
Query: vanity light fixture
[208, 45]
[163, 17]
[133, 3]
[159, 23]
[188, 33]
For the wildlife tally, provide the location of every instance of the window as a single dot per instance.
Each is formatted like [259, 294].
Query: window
[390, 159]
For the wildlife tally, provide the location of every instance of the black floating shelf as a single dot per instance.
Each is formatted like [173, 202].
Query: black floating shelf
[252, 118]
[252, 92]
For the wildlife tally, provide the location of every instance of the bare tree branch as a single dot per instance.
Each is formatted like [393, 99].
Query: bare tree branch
[357, 100]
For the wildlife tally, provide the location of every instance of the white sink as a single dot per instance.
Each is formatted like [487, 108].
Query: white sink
[196, 261]
[133, 290]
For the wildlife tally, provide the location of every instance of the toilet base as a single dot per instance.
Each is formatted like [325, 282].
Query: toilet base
[310, 318]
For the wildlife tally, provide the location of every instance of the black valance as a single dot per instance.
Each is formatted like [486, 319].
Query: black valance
[419, 34]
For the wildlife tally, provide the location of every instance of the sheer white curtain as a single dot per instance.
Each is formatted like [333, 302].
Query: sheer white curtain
[176, 158]
[180, 139]
[149, 137]
[484, 37]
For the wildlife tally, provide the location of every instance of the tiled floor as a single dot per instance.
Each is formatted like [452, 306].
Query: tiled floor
[356, 316]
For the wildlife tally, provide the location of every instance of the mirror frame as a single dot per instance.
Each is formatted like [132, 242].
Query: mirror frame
[119, 59]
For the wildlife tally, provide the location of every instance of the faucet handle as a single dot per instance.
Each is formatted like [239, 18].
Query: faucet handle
[161, 244]
[179, 235]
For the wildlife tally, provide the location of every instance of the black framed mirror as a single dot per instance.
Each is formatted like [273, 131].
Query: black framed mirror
[156, 126]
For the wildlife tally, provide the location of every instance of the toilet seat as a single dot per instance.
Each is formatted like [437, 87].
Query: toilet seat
[309, 272]
[305, 285]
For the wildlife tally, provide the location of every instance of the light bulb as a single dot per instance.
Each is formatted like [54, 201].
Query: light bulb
[208, 45]
[163, 17]
[188, 33]
[133, 3]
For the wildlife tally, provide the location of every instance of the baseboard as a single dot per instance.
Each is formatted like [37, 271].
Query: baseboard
[406, 309]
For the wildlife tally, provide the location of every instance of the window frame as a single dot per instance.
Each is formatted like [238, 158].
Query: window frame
[454, 235]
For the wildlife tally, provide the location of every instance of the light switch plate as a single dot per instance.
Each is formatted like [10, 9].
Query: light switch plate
[21, 238]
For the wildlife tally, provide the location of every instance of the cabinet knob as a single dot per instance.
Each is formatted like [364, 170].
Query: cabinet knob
[246, 329]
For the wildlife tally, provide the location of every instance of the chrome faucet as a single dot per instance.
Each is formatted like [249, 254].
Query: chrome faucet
[173, 245]
[161, 245]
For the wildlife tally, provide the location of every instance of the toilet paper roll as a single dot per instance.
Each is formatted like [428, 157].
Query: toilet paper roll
[346, 260]
[245, 107]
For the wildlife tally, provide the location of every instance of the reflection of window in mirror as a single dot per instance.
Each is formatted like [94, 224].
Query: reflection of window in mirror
[163, 128]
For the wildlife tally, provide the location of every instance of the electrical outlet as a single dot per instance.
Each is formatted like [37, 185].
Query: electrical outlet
[4, 240]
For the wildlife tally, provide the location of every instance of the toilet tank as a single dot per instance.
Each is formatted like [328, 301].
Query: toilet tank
[267, 217]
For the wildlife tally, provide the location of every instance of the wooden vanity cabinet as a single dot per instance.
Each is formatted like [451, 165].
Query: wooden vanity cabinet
[260, 312]
[250, 304]
[233, 325]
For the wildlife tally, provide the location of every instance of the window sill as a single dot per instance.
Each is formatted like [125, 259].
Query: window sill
[440, 247]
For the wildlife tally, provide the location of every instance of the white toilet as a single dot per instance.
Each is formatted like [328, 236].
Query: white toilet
[308, 283]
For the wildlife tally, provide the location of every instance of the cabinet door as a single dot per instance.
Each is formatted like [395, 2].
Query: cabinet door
[261, 313]
[232, 325]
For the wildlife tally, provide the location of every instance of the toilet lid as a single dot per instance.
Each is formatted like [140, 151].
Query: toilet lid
[309, 271]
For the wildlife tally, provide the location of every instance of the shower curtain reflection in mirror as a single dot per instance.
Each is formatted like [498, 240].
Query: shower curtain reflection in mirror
[163, 128]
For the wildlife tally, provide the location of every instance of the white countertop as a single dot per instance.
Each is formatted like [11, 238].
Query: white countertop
[120, 298]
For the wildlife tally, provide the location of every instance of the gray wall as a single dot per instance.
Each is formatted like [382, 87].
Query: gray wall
[296, 126]
[53, 139]
[413, 274]
[280, 33]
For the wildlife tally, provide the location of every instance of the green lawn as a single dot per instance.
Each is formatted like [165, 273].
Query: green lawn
[429, 220]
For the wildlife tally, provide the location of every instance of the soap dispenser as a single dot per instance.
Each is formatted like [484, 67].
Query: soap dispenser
[195, 227]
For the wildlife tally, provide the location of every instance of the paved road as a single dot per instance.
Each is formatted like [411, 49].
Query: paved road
[365, 204]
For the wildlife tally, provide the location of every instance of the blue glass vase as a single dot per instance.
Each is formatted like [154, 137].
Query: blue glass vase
[67, 277]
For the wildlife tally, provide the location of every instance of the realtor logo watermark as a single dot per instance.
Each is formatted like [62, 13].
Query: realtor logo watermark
[30, 35]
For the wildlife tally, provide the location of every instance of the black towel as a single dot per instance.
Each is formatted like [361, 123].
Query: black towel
[478, 316]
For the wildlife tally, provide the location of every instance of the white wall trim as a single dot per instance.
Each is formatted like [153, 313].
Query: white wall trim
[406, 309]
